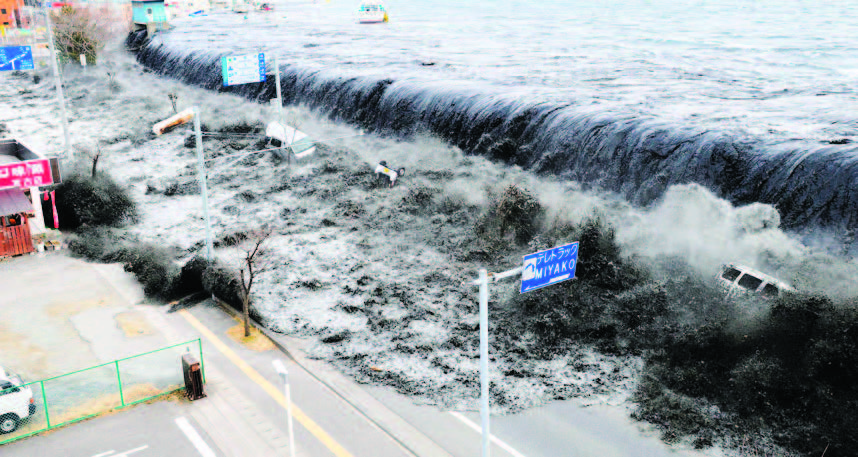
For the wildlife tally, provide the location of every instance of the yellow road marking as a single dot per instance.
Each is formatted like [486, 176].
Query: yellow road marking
[274, 392]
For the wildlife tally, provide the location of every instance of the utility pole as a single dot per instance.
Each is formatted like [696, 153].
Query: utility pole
[58, 79]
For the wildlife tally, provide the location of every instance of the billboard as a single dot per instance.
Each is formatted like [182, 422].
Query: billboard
[32, 173]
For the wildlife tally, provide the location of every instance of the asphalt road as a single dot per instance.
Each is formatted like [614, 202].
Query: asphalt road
[557, 429]
[345, 425]
[561, 428]
[142, 431]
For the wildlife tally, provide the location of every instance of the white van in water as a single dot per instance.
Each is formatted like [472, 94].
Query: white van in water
[16, 401]
[737, 279]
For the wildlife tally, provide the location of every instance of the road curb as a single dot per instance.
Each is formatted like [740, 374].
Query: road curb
[408, 437]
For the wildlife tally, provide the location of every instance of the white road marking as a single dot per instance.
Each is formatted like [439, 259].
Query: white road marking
[494, 439]
[195, 437]
[125, 454]
[122, 454]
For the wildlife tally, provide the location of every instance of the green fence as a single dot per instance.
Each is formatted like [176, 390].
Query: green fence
[82, 394]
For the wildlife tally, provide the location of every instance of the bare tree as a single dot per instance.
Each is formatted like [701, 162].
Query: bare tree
[174, 97]
[77, 31]
[95, 158]
[253, 264]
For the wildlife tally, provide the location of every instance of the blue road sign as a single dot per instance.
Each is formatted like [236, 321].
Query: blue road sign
[548, 267]
[244, 69]
[16, 58]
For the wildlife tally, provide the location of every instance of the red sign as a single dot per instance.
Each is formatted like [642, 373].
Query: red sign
[32, 173]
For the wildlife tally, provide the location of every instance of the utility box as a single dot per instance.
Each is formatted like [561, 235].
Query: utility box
[193, 377]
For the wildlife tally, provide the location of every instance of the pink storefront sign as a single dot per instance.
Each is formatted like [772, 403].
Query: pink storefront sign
[32, 173]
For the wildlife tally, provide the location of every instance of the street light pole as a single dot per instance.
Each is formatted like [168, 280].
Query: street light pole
[58, 79]
[201, 169]
[284, 374]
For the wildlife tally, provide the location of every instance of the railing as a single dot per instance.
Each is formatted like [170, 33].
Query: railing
[82, 394]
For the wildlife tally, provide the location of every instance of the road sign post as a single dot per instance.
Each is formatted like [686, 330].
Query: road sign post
[279, 95]
[484, 360]
[539, 270]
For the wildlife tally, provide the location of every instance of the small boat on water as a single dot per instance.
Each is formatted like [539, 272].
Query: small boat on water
[372, 12]
[241, 8]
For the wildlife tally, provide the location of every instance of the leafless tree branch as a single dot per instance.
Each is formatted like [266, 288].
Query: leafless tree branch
[253, 264]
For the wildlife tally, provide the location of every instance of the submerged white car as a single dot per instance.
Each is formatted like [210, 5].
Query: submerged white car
[739, 279]
[286, 135]
[16, 401]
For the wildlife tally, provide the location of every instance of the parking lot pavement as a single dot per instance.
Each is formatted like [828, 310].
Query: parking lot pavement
[47, 312]
[161, 429]
[58, 315]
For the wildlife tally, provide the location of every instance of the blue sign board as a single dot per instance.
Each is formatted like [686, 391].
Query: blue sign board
[545, 268]
[244, 69]
[16, 58]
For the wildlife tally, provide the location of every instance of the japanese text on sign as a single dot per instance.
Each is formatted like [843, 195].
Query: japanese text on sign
[16, 58]
[32, 173]
[244, 69]
[549, 267]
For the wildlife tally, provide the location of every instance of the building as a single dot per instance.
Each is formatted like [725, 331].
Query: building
[8, 12]
[180, 8]
[16, 210]
[149, 14]
[22, 172]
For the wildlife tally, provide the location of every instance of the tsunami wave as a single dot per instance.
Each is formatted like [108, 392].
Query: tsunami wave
[637, 157]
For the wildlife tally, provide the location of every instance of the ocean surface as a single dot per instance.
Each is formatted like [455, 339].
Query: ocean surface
[754, 100]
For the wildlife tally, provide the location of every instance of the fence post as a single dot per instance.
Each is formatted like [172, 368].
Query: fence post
[45, 403]
[202, 365]
[119, 380]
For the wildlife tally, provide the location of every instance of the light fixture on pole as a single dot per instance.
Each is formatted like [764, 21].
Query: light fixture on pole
[284, 375]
